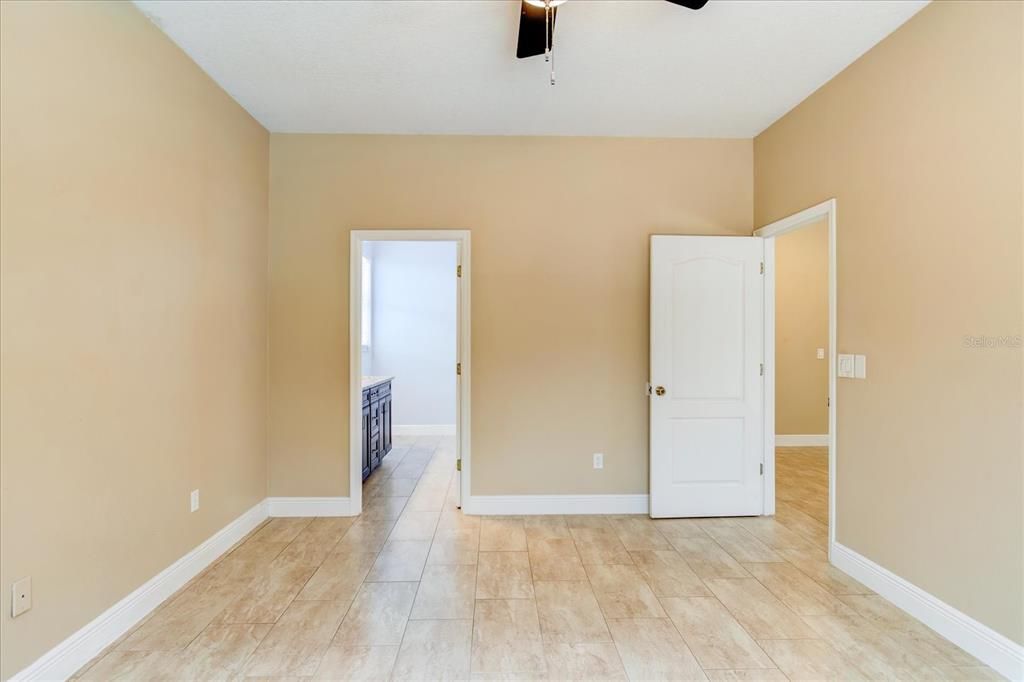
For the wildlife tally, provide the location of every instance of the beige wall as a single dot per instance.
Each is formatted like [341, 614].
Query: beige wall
[801, 327]
[560, 290]
[133, 249]
[920, 141]
[133, 368]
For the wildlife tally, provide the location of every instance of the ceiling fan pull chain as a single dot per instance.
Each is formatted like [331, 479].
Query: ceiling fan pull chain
[552, 67]
[549, 53]
[547, 30]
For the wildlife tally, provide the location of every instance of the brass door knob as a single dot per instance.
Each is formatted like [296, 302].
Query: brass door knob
[659, 390]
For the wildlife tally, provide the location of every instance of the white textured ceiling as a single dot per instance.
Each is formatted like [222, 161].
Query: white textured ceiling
[629, 68]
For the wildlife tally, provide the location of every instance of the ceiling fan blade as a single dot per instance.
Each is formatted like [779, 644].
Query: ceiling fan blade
[689, 4]
[532, 29]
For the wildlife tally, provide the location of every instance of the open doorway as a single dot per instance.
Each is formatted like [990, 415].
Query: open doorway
[801, 376]
[409, 365]
[800, 381]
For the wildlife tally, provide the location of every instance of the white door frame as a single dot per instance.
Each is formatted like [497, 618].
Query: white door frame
[826, 209]
[462, 386]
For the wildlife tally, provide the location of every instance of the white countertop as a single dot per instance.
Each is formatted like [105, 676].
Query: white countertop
[373, 381]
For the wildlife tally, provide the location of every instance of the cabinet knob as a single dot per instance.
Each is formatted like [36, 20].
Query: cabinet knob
[659, 390]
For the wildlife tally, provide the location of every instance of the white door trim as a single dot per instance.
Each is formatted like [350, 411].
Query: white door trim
[826, 209]
[461, 237]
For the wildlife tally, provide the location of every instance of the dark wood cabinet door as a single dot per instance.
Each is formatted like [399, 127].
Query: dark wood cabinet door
[366, 441]
[374, 451]
[376, 426]
[375, 416]
[385, 429]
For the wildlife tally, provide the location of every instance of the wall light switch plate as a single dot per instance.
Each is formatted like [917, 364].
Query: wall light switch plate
[846, 366]
[599, 460]
[21, 597]
[194, 500]
[860, 366]
[821, 354]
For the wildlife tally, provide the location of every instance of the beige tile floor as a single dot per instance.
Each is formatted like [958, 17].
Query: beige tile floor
[415, 590]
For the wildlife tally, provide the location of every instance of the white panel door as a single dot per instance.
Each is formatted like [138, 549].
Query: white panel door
[707, 402]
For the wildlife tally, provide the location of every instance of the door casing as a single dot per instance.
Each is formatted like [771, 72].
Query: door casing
[826, 210]
[464, 357]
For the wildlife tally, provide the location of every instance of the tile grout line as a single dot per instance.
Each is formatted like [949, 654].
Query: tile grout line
[419, 582]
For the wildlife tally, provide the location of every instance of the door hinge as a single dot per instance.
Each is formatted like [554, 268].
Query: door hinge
[762, 468]
[762, 267]
[762, 369]
[458, 464]
[458, 271]
[458, 369]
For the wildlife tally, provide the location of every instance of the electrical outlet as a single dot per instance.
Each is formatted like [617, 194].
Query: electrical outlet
[599, 460]
[21, 597]
[821, 354]
[194, 500]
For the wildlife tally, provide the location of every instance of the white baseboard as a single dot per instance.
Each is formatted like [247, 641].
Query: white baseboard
[423, 430]
[67, 657]
[801, 439]
[308, 506]
[988, 646]
[512, 505]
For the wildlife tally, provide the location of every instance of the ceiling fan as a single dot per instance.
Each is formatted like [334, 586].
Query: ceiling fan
[537, 27]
